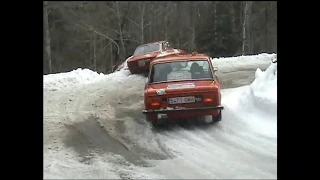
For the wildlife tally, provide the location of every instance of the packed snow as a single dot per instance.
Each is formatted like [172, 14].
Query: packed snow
[94, 128]
[124, 65]
[70, 79]
[76, 78]
[264, 88]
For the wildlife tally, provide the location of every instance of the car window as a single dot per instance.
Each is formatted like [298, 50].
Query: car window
[147, 48]
[180, 71]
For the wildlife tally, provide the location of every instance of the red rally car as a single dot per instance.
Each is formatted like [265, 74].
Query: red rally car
[180, 87]
[144, 54]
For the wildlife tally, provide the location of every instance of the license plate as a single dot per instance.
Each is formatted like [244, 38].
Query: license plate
[141, 63]
[182, 100]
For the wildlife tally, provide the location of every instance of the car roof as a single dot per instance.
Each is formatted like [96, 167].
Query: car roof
[159, 42]
[189, 57]
[156, 42]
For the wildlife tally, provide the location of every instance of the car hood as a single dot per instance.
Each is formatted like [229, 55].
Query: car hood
[181, 87]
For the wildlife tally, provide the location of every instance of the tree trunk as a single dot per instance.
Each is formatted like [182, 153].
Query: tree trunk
[120, 24]
[233, 18]
[266, 29]
[246, 27]
[215, 22]
[193, 38]
[111, 58]
[192, 24]
[94, 51]
[89, 63]
[142, 22]
[166, 22]
[249, 27]
[47, 39]
[178, 11]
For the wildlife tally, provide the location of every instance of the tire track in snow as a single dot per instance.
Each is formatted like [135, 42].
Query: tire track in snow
[91, 129]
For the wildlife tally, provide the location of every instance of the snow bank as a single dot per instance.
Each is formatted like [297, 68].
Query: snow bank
[85, 76]
[77, 78]
[264, 88]
[124, 65]
[255, 105]
[261, 94]
[70, 79]
[227, 64]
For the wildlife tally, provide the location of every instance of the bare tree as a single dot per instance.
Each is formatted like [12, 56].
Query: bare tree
[249, 27]
[121, 21]
[94, 51]
[193, 15]
[266, 9]
[246, 27]
[110, 31]
[141, 25]
[215, 23]
[47, 35]
[232, 14]
[166, 20]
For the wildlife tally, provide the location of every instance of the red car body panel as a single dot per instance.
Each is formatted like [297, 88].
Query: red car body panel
[133, 62]
[206, 91]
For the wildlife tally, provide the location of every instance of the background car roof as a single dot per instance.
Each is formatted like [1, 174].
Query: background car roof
[156, 42]
[189, 57]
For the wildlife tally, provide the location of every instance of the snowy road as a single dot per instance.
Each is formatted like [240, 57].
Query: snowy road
[98, 131]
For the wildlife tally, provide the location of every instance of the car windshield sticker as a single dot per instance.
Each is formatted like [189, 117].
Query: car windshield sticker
[178, 75]
[181, 86]
[161, 91]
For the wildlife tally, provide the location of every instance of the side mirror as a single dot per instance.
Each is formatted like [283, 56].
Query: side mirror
[215, 68]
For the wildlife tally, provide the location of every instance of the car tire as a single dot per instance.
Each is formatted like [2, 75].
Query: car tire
[153, 122]
[217, 118]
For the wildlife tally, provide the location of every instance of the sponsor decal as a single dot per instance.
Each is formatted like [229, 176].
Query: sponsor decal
[181, 86]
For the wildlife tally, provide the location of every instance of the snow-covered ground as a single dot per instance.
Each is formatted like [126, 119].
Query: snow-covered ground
[94, 128]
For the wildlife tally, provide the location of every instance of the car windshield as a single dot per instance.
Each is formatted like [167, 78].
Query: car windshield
[181, 71]
[145, 49]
